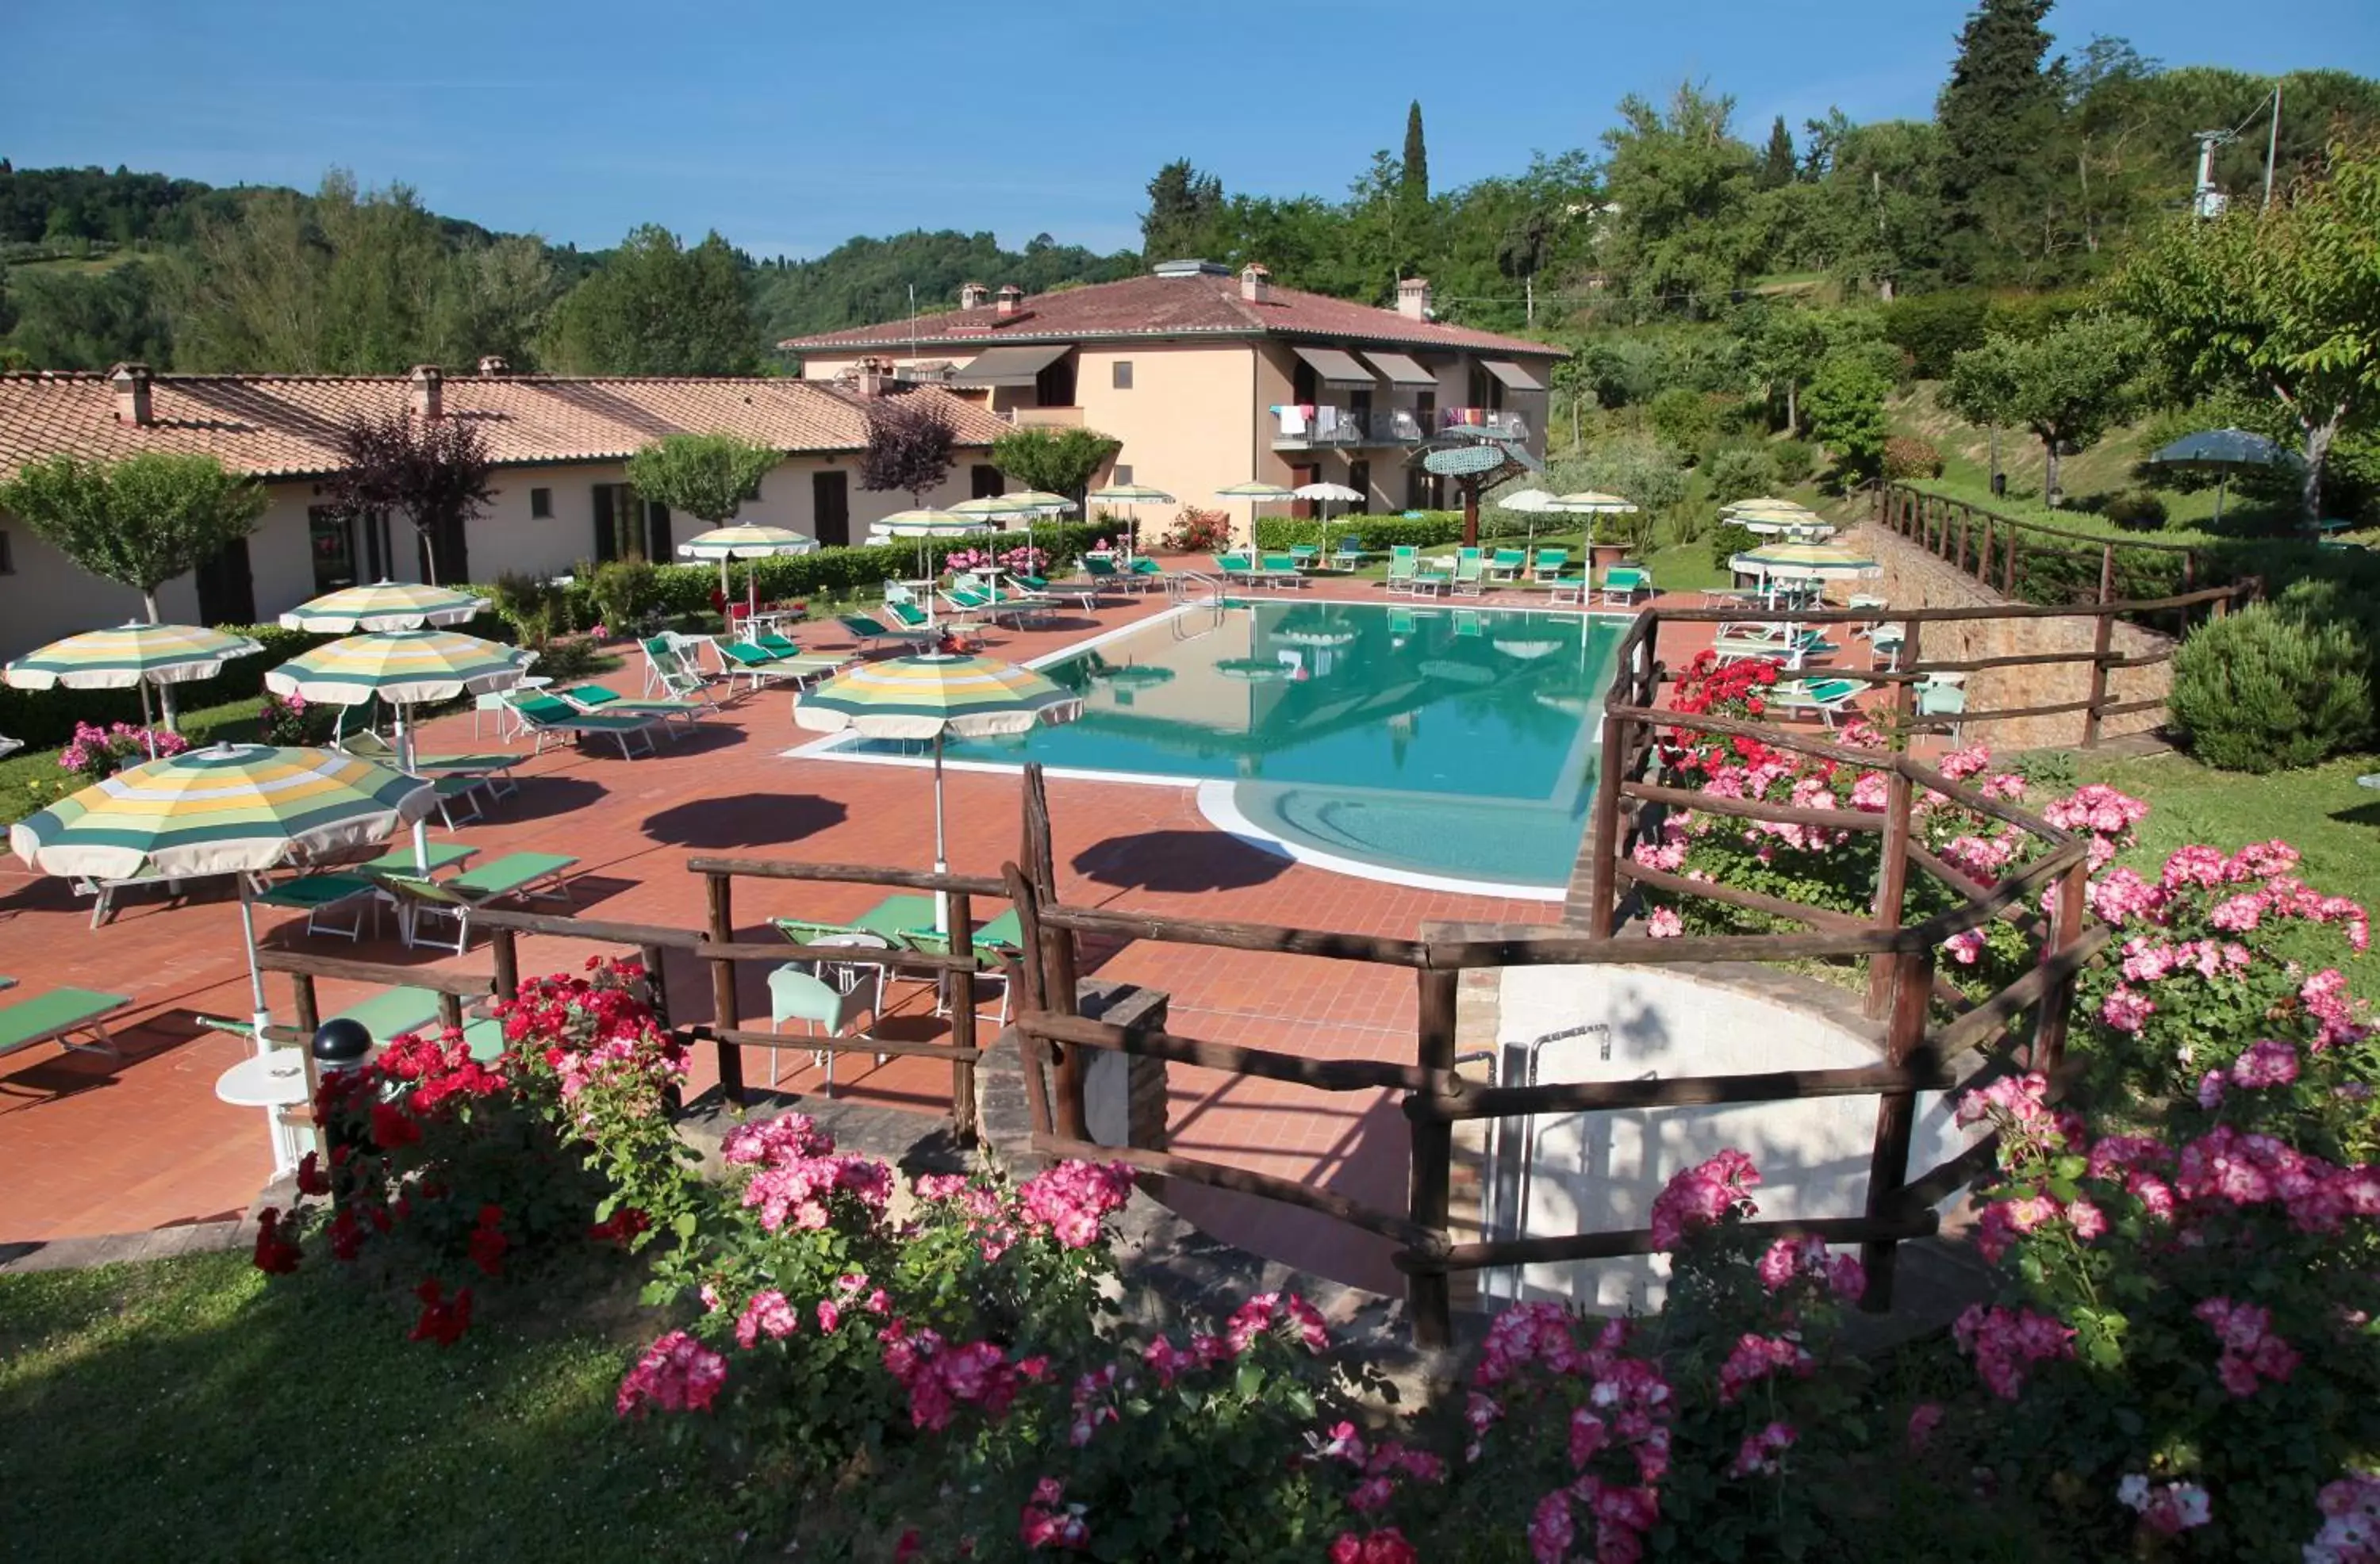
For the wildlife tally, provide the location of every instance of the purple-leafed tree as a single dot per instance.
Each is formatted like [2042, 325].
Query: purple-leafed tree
[910, 441]
[434, 471]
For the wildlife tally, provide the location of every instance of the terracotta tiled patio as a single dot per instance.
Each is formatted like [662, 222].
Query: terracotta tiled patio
[92, 1145]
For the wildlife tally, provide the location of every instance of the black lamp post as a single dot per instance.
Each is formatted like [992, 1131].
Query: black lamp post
[341, 1044]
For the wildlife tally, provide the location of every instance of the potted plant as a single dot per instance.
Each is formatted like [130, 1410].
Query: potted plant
[1612, 540]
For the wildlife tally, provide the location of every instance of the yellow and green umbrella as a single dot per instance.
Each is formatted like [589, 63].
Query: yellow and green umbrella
[935, 697]
[1254, 495]
[924, 524]
[235, 809]
[1816, 562]
[1131, 496]
[384, 605]
[128, 655]
[1778, 516]
[723, 543]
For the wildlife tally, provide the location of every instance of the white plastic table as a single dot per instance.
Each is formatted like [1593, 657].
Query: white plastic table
[272, 1080]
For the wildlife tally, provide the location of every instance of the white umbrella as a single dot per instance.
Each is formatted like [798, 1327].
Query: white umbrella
[1254, 495]
[723, 543]
[1323, 494]
[1131, 496]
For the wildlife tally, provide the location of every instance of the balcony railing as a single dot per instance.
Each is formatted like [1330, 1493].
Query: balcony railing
[1491, 421]
[1315, 427]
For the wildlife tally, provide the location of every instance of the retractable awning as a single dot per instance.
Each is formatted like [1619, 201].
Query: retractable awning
[1009, 366]
[1399, 370]
[1512, 375]
[1335, 366]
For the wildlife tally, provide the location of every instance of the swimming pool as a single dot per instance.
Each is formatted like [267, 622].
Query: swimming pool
[1429, 744]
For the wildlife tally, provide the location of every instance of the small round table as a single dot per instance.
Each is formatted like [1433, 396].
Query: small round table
[272, 1080]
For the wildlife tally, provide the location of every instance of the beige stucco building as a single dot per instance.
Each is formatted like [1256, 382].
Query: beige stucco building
[1211, 380]
[560, 494]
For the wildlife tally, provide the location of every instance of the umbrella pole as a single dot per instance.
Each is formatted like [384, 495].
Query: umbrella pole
[405, 764]
[259, 1013]
[941, 861]
[149, 729]
[2221, 474]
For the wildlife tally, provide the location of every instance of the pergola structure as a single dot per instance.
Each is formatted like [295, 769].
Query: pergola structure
[1477, 464]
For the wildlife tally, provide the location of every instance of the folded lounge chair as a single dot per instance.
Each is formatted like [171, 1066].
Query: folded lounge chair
[1622, 582]
[59, 1016]
[1826, 698]
[1470, 573]
[525, 875]
[322, 895]
[869, 631]
[596, 697]
[549, 717]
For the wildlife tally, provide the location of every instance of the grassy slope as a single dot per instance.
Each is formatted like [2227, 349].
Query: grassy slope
[2319, 810]
[195, 1409]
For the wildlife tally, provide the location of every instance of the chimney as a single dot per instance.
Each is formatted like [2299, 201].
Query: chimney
[1010, 300]
[130, 384]
[1256, 283]
[871, 378]
[427, 397]
[491, 367]
[973, 296]
[1413, 299]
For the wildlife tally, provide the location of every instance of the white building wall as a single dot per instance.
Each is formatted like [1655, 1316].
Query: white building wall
[1590, 1173]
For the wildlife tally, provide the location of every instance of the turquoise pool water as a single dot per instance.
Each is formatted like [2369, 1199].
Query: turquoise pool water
[1439, 740]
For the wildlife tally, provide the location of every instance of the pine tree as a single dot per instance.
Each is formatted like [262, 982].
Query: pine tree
[1183, 206]
[1998, 116]
[1417, 161]
[1777, 165]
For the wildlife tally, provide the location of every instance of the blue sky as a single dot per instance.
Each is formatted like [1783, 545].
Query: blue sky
[792, 127]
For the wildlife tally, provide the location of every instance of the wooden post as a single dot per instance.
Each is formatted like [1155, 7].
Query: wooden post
[2102, 641]
[1892, 874]
[2008, 586]
[1984, 554]
[2065, 930]
[1896, 1116]
[963, 1027]
[1041, 868]
[504, 945]
[450, 1012]
[1966, 518]
[309, 1021]
[310, 1010]
[2107, 572]
[656, 983]
[1033, 1052]
[1603, 869]
[725, 1015]
[1427, 1297]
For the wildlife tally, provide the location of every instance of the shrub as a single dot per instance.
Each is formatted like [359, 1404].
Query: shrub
[1682, 421]
[1197, 531]
[1728, 541]
[291, 721]
[1795, 460]
[625, 591]
[2136, 509]
[1383, 532]
[535, 608]
[1739, 472]
[1906, 456]
[2263, 690]
[1933, 327]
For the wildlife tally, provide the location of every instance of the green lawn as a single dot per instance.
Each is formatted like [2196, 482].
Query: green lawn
[2319, 810]
[196, 1409]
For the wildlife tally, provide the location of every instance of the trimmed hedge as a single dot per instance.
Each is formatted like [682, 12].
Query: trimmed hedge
[1381, 533]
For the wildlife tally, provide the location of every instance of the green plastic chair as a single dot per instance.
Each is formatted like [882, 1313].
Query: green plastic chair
[796, 995]
[1548, 566]
[1507, 564]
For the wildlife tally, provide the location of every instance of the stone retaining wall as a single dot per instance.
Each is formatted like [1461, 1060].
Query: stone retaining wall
[1914, 578]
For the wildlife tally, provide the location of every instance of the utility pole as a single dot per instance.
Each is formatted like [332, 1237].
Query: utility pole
[2272, 143]
[2209, 201]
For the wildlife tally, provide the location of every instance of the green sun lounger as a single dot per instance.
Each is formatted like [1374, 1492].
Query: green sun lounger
[548, 718]
[495, 767]
[59, 1016]
[596, 697]
[1279, 570]
[868, 630]
[1826, 698]
[1622, 582]
[525, 875]
[321, 895]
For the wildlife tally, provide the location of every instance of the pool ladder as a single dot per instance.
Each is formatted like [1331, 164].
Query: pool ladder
[1192, 626]
[1182, 585]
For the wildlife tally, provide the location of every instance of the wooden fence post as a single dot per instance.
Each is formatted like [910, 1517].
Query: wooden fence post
[310, 1010]
[1033, 1051]
[1966, 519]
[504, 945]
[1041, 868]
[2107, 572]
[1892, 867]
[2058, 1001]
[1984, 554]
[1603, 871]
[2102, 641]
[2007, 585]
[450, 1012]
[1426, 1296]
[725, 1015]
[963, 1018]
[1896, 1117]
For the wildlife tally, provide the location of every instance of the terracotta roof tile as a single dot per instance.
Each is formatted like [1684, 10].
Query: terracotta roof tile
[1199, 304]
[287, 425]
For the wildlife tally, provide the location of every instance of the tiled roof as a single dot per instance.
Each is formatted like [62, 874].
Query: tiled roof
[1202, 303]
[287, 426]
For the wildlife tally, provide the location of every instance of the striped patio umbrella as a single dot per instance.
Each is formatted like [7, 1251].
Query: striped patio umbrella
[1254, 495]
[233, 809]
[1131, 496]
[723, 543]
[924, 524]
[1816, 562]
[934, 697]
[384, 605]
[402, 668]
[1772, 516]
[131, 654]
[994, 511]
[1044, 502]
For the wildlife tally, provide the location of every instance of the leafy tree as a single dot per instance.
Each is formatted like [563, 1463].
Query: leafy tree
[1980, 388]
[657, 308]
[1414, 166]
[2286, 300]
[1683, 183]
[1998, 115]
[1182, 207]
[142, 521]
[866, 280]
[435, 472]
[90, 320]
[1778, 163]
[910, 444]
[2067, 385]
[1681, 419]
[1873, 214]
[1786, 352]
[1060, 460]
[706, 476]
[1845, 403]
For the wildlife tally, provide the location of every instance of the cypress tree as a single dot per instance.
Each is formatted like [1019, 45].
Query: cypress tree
[1417, 163]
[1777, 165]
[1998, 116]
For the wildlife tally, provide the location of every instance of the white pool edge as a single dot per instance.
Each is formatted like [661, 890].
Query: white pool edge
[1218, 801]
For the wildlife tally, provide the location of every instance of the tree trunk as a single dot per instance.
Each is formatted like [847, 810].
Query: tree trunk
[1792, 409]
[2049, 495]
[164, 692]
[2319, 437]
